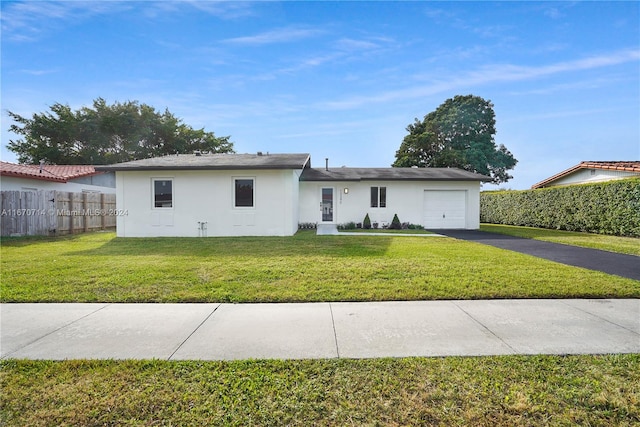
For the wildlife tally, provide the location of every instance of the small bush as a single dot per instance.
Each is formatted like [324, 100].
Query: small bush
[347, 226]
[366, 224]
[395, 223]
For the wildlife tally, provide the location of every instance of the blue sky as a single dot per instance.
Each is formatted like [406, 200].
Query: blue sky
[341, 79]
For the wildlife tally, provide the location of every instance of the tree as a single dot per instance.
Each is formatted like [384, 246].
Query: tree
[459, 133]
[106, 134]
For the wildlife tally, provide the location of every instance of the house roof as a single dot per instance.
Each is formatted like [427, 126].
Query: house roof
[216, 161]
[391, 174]
[57, 173]
[627, 166]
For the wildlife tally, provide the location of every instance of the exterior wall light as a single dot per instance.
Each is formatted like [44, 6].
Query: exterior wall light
[346, 191]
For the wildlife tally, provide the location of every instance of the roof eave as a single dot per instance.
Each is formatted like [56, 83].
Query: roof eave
[35, 177]
[183, 168]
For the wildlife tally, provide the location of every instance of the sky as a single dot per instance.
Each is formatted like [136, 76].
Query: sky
[341, 80]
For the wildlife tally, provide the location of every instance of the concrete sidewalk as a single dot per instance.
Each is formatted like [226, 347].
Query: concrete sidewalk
[318, 330]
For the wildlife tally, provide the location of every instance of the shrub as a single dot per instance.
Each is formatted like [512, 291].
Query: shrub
[606, 208]
[347, 226]
[366, 224]
[395, 223]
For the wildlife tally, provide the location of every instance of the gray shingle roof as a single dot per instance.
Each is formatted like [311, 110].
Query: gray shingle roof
[391, 174]
[213, 161]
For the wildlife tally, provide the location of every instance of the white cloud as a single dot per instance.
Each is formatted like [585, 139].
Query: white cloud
[28, 21]
[281, 35]
[494, 73]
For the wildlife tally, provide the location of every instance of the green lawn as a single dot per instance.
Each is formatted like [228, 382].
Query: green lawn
[454, 391]
[623, 245]
[98, 267]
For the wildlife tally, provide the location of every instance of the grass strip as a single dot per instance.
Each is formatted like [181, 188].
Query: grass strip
[483, 391]
[623, 245]
[98, 267]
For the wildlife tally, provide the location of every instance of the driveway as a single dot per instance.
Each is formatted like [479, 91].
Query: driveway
[593, 259]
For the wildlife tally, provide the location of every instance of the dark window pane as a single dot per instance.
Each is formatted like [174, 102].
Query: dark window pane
[374, 197]
[162, 194]
[244, 193]
[383, 197]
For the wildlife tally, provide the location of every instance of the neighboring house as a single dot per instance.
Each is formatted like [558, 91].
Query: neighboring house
[590, 172]
[271, 194]
[71, 178]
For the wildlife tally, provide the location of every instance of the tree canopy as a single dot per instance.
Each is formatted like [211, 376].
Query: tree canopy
[459, 133]
[106, 134]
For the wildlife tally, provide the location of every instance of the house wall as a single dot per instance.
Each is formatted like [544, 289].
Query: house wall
[10, 183]
[584, 176]
[404, 198]
[207, 196]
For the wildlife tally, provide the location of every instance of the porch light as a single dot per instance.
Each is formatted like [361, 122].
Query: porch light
[346, 191]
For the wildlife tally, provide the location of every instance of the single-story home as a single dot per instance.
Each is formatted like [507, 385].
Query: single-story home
[591, 172]
[271, 194]
[71, 178]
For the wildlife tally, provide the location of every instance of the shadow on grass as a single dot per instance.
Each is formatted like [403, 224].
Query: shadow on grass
[301, 244]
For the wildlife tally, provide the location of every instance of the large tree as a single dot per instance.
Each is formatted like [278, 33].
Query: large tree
[106, 134]
[459, 133]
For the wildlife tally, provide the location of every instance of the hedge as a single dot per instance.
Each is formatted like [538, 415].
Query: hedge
[605, 208]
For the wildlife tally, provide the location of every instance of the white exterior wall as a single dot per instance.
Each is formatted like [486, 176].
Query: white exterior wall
[585, 176]
[207, 196]
[10, 183]
[404, 198]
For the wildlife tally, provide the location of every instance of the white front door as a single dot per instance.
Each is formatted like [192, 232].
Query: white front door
[445, 209]
[326, 205]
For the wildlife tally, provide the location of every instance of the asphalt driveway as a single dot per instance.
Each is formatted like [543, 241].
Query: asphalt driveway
[593, 259]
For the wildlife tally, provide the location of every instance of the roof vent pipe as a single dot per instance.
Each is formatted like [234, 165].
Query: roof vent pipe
[326, 164]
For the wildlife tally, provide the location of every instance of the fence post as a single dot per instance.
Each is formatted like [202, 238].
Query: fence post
[85, 211]
[103, 216]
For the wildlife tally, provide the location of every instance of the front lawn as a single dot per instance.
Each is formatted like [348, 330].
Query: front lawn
[623, 245]
[453, 391]
[98, 267]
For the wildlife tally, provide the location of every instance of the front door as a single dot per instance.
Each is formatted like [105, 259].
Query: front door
[327, 205]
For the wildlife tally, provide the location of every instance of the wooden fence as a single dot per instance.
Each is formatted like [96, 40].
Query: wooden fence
[53, 213]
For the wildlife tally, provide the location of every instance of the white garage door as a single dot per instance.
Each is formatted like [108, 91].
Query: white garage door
[445, 209]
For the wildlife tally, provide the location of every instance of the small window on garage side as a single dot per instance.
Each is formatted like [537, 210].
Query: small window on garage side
[162, 193]
[378, 197]
[244, 192]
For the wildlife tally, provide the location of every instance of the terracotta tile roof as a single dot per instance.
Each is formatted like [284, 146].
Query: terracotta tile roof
[627, 166]
[58, 173]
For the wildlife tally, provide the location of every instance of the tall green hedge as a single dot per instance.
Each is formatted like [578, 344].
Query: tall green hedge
[606, 208]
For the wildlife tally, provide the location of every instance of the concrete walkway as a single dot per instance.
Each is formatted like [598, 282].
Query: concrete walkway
[318, 330]
[593, 259]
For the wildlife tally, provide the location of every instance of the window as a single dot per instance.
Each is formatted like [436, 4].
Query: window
[162, 193]
[243, 192]
[378, 197]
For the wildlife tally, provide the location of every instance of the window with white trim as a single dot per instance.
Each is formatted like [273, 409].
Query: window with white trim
[244, 192]
[162, 193]
[378, 197]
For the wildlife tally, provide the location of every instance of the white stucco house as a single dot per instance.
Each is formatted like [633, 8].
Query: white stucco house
[592, 172]
[271, 194]
[71, 178]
